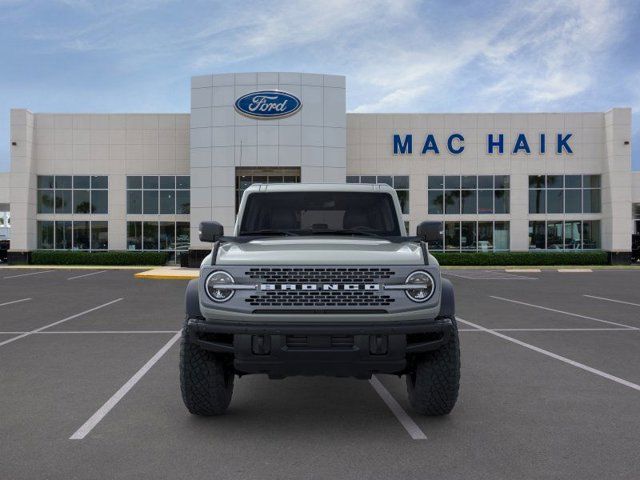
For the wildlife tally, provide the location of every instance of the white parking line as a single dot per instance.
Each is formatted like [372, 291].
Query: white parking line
[562, 311]
[27, 274]
[612, 300]
[488, 275]
[127, 332]
[605, 329]
[86, 428]
[38, 330]
[14, 301]
[582, 366]
[403, 417]
[86, 275]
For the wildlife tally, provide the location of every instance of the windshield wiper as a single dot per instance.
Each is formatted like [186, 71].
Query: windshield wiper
[286, 233]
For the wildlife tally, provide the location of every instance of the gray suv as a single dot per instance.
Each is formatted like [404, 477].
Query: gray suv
[319, 279]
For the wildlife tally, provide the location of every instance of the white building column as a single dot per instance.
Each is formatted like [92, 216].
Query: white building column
[616, 182]
[22, 182]
[519, 223]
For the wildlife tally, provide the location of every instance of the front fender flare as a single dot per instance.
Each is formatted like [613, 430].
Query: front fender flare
[447, 300]
[192, 301]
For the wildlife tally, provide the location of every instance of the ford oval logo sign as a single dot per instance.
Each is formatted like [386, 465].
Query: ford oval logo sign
[268, 104]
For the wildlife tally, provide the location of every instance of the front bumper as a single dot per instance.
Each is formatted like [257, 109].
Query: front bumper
[335, 349]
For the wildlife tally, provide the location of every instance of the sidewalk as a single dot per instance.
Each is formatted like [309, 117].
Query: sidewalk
[169, 273]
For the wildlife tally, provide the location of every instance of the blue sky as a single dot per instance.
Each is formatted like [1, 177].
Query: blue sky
[398, 55]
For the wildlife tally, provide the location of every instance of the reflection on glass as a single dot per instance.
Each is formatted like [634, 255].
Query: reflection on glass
[167, 235]
[64, 235]
[134, 235]
[485, 237]
[81, 240]
[99, 236]
[501, 236]
[452, 236]
[99, 201]
[436, 202]
[81, 201]
[537, 236]
[150, 235]
[555, 202]
[63, 201]
[452, 201]
[468, 237]
[555, 236]
[45, 234]
[150, 202]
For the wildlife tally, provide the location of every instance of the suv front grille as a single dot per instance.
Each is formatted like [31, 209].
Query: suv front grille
[319, 274]
[320, 299]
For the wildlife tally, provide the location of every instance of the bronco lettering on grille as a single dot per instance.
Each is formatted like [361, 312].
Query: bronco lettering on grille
[326, 287]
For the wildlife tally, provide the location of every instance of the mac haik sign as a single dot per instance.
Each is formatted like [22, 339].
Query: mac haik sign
[495, 144]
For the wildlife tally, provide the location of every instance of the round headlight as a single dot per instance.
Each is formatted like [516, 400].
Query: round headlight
[425, 286]
[215, 286]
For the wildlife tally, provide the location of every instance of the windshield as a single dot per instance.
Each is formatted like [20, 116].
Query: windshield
[317, 213]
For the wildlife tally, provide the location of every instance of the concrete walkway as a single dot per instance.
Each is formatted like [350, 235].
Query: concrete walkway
[169, 273]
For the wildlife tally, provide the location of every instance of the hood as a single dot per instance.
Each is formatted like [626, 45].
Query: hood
[320, 251]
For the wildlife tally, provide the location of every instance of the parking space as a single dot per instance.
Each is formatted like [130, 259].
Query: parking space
[550, 388]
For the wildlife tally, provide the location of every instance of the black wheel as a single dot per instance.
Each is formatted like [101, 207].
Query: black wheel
[433, 384]
[206, 382]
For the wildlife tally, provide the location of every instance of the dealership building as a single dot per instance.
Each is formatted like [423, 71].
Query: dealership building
[499, 181]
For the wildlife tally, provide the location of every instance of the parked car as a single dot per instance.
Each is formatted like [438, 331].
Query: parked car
[320, 279]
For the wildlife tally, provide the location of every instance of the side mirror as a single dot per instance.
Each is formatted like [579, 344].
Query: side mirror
[210, 231]
[430, 231]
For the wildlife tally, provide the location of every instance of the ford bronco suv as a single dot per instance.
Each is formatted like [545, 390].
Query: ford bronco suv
[319, 279]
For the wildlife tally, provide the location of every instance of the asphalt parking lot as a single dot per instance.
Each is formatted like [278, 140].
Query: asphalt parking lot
[550, 389]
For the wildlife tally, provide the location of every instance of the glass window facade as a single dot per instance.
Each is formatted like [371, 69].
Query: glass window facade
[153, 194]
[73, 235]
[564, 194]
[164, 236]
[473, 237]
[468, 194]
[567, 235]
[400, 183]
[247, 176]
[572, 203]
[78, 194]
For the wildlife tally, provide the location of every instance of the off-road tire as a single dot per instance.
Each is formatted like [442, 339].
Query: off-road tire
[434, 381]
[205, 381]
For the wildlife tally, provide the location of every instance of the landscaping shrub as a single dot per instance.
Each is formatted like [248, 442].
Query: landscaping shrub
[521, 258]
[65, 257]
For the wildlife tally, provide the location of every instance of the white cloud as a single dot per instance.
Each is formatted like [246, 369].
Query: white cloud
[526, 57]
[551, 57]
[398, 54]
[263, 31]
